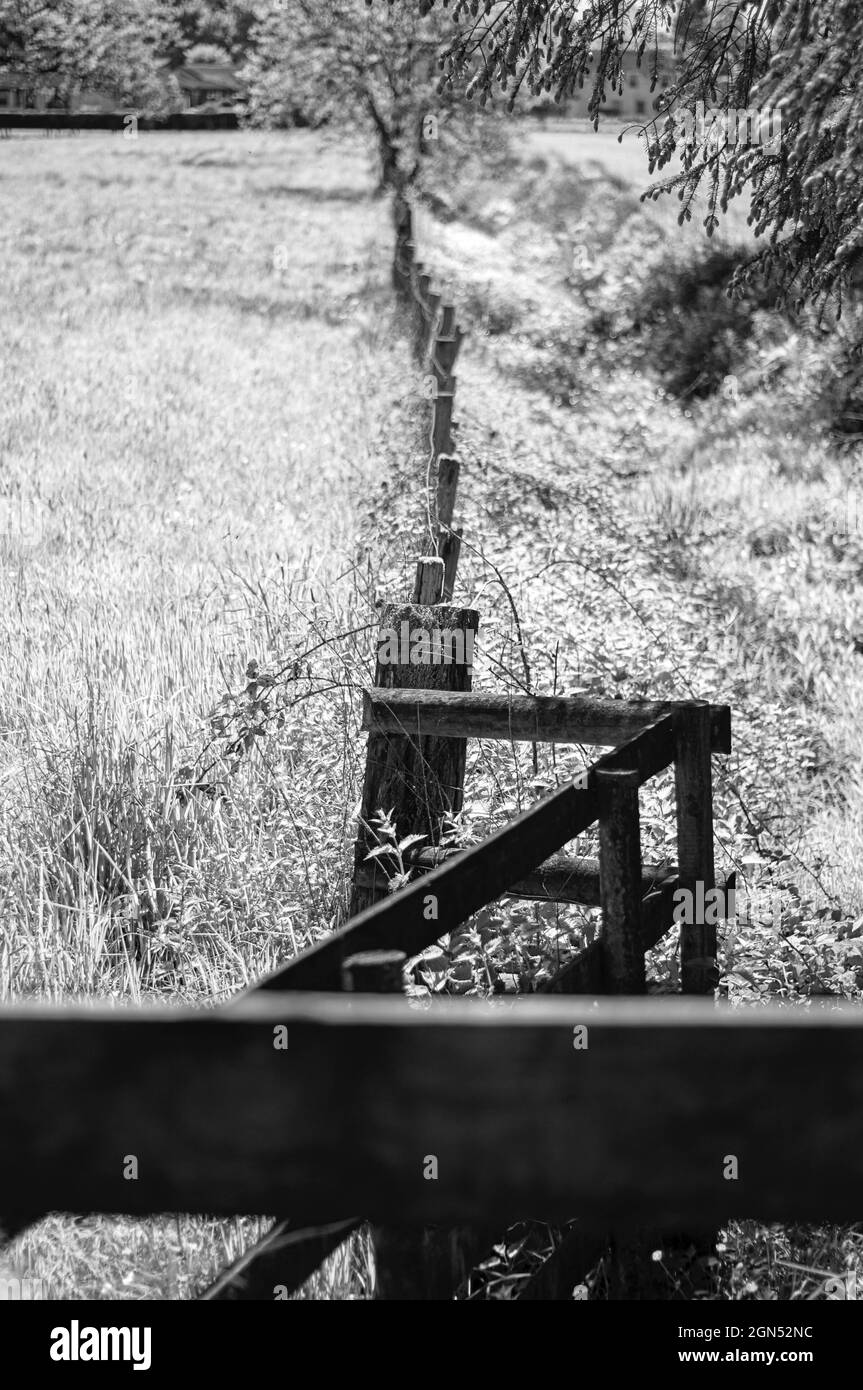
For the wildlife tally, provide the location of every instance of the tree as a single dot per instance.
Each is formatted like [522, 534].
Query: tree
[109, 44]
[791, 59]
[207, 53]
[339, 62]
[223, 26]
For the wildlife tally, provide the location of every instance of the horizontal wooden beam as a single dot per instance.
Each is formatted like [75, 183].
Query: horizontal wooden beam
[564, 878]
[470, 1111]
[532, 718]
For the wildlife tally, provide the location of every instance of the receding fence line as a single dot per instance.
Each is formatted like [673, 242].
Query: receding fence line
[436, 339]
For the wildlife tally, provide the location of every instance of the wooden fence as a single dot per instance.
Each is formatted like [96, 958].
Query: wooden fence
[73, 123]
[442, 1124]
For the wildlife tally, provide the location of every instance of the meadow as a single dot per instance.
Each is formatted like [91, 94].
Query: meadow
[213, 469]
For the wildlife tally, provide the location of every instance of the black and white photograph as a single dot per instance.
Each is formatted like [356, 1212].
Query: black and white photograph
[431, 669]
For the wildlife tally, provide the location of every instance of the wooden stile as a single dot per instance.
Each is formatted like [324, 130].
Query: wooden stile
[459, 889]
[462, 886]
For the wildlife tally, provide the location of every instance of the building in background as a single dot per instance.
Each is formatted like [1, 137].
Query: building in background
[211, 86]
[636, 103]
[202, 87]
[21, 92]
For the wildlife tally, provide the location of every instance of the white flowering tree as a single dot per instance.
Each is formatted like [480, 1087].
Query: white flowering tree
[358, 68]
[113, 45]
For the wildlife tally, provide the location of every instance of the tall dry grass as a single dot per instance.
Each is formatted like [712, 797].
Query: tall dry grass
[201, 397]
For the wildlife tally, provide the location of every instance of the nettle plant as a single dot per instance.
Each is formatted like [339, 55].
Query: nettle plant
[506, 948]
[391, 849]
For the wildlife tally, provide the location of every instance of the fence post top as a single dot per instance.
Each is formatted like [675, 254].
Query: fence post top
[617, 777]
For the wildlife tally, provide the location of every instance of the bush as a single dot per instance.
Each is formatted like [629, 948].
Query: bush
[695, 331]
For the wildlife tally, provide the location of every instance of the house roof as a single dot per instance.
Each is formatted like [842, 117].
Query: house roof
[213, 76]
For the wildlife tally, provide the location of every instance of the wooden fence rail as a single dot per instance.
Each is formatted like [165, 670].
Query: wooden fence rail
[526, 718]
[345, 1117]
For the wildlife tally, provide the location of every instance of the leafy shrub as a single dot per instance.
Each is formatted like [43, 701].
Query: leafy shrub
[843, 392]
[693, 329]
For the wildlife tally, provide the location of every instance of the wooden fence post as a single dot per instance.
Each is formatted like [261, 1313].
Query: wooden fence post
[699, 972]
[444, 352]
[428, 585]
[411, 1262]
[620, 881]
[419, 778]
[442, 442]
[450, 548]
[631, 1274]
[448, 469]
[404, 249]
[421, 325]
[374, 972]
[382, 972]
[432, 305]
[694, 786]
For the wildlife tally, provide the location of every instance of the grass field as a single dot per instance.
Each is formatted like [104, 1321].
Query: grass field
[198, 370]
[211, 457]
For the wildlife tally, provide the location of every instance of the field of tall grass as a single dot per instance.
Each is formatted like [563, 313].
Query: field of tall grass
[213, 468]
[200, 382]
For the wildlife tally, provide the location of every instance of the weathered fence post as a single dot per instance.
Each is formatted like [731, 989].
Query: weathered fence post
[699, 972]
[448, 540]
[420, 779]
[422, 312]
[448, 469]
[374, 972]
[404, 252]
[428, 584]
[694, 786]
[432, 305]
[620, 881]
[631, 1272]
[442, 424]
[411, 1262]
[444, 352]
